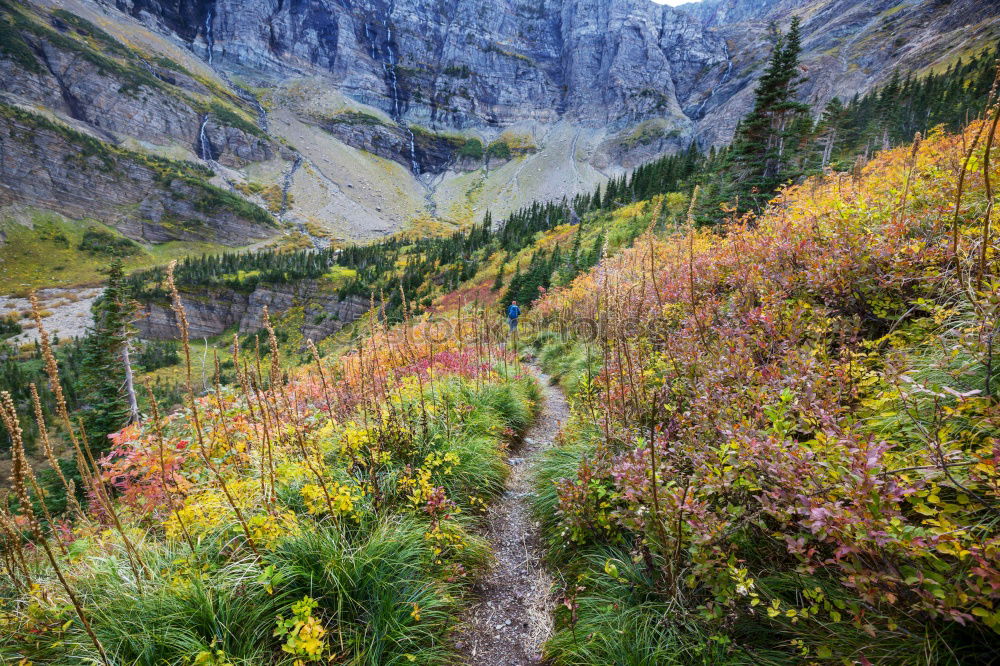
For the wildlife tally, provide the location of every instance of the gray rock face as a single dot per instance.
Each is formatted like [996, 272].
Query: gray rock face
[429, 152]
[454, 64]
[458, 63]
[141, 100]
[211, 312]
[46, 168]
[115, 94]
[632, 60]
[231, 146]
[77, 88]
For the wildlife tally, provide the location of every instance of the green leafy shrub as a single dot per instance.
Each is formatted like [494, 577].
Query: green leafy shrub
[759, 464]
[104, 243]
[498, 150]
[9, 327]
[472, 148]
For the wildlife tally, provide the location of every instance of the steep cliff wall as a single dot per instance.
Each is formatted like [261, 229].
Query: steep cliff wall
[46, 165]
[99, 95]
[460, 63]
[212, 312]
[71, 67]
[613, 64]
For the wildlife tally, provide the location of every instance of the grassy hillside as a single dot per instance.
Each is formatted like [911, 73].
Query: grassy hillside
[55, 251]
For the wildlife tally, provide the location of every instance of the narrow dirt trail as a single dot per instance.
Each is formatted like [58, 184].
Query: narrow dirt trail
[511, 615]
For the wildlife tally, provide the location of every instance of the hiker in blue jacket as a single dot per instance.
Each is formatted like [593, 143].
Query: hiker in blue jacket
[513, 312]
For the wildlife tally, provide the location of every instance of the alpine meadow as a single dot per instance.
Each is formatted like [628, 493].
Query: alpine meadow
[568, 332]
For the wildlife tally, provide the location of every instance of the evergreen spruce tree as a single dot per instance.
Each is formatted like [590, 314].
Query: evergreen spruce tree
[513, 287]
[533, 279]
[594, 255]
[765, 150]
[570, 266]
[554, 263]
[499, 280]
[105, 370]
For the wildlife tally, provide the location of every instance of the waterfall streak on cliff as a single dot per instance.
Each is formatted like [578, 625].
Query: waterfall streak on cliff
[209, 41]
[389, 70]
[251, 99]
[722, 81]
[204, 145]
[286, 185]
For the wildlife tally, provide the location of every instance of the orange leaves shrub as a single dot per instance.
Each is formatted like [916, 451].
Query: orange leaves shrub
[803, 402]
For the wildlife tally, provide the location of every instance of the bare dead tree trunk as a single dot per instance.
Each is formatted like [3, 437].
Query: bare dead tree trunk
[133, 403]
[828, 148]
[781, 136]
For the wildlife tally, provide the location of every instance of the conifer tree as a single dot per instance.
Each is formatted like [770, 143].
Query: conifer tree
[765, 149]
[595, 252]
[570, 266]
[106, 367]
[498, 282]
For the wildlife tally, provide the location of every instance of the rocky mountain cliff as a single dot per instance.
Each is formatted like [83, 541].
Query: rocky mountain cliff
[212, 312]
[454, 64]
[352, 118]
[81, 117]
[150, 200]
